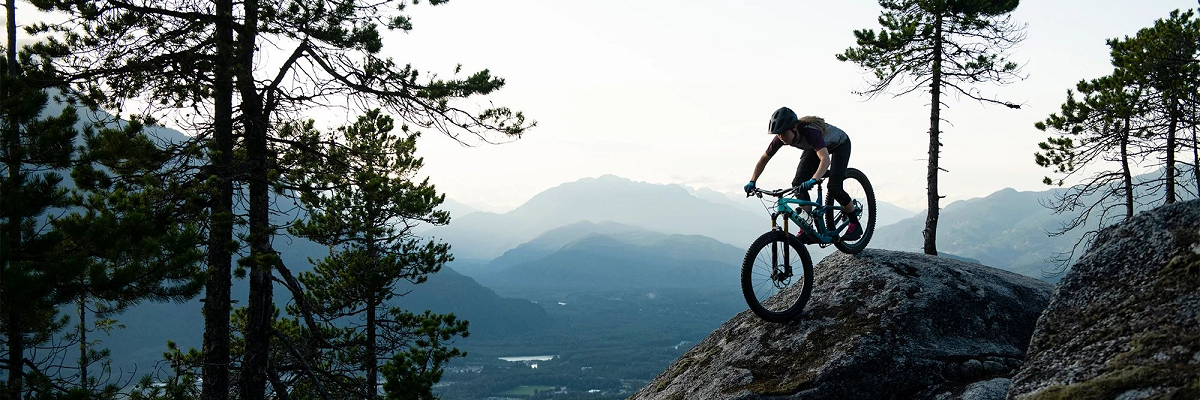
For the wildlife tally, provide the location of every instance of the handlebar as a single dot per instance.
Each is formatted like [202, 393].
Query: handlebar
[778, 192]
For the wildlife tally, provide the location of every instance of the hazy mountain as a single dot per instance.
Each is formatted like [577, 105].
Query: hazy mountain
[1007, 229]
[555, 239]
[456, 209]
[490, 315]
[888, 213]
[661, 208]
[636, 259]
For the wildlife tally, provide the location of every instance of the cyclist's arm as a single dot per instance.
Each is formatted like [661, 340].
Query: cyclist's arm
[822, 154]
[758, 168]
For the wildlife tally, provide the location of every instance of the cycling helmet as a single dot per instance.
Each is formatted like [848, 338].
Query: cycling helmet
[783, 119]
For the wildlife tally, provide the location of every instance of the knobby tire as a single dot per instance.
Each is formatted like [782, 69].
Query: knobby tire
[868, 197]
[802, 273]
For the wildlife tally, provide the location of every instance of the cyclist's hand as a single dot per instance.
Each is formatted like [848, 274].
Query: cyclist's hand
[749, 188]
[808, 184]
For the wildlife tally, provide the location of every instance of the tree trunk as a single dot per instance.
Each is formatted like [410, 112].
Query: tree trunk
[1126, 177]
[16, 348]
[83, 378]
[1195, 147]
[935, 90]
[372, 362]
[215, 369]
[12, 140]
[260, 308]
[11, 50]
[1171, 127]
[16, 351]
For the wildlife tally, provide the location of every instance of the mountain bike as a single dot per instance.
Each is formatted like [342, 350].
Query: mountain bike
[771, 265]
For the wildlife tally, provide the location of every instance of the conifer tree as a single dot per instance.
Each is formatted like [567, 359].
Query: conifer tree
[1097, 128]
[366, 219]
[1164, 59]
[33, 151]
[130, 230]
[1103, 125]
[109, 238]
[173, 57]
[947, 46]
[165, 49]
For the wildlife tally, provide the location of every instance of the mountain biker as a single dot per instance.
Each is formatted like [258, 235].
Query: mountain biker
[826, 149]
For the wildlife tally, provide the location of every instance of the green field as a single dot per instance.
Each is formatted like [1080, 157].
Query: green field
[527, 390]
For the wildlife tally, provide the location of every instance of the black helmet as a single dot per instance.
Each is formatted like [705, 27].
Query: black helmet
[783, 119]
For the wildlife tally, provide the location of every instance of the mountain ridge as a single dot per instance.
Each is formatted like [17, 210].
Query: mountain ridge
[1008, 229]
[618, 261]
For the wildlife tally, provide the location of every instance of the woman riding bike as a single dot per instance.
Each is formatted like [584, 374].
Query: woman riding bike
[826, 149]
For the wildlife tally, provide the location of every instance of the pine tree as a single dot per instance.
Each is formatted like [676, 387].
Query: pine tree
[366, 218]
[412, 373]
[130, 230]
[33, 150]
[1103, 126]
[111, 241]
[947, 46]
[173, 57]
[1163, 59]
[164, 50]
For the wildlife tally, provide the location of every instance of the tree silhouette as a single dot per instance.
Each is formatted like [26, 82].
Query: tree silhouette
[943, 45]
[181, 55]
[112, 237]
[366, 219]
[1163, 60]
[1104, 126]
[34, 150]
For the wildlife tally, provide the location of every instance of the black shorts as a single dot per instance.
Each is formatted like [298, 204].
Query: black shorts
[839, 161]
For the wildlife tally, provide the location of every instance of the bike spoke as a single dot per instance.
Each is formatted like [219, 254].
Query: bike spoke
[760, 284]
[767, 267]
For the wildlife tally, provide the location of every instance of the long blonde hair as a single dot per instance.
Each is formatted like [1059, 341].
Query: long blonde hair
[815, 121]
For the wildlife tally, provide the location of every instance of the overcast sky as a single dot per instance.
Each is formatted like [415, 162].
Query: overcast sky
[681, 91]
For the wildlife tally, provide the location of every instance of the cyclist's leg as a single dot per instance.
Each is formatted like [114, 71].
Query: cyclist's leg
[804, 171]
[837, 174]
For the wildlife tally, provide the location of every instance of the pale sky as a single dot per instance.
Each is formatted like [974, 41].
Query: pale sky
[680, 92]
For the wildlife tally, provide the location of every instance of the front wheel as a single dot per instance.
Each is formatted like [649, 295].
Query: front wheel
[862, 195]
[774, 262]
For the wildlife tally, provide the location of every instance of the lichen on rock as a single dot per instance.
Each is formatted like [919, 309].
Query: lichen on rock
[1125, 321]
[880, 325]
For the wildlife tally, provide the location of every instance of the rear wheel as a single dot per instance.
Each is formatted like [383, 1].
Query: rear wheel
[777, 261]
[863, 198]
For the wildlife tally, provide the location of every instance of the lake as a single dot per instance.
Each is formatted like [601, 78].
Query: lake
[528, 358]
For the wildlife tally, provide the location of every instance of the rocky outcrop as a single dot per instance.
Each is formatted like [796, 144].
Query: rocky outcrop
[1124, 323]
[880, 325]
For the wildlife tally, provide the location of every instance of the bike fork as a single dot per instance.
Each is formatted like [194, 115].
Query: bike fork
[776, 272]
[787, 250]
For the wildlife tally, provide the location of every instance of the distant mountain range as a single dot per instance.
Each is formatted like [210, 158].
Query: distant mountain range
[673, 209]
[1006, 229]
[612, 256]
[886, 213]
[490, 315]
[660, 208]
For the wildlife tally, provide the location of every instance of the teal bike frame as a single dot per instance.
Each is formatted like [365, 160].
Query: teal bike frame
[817, 228]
